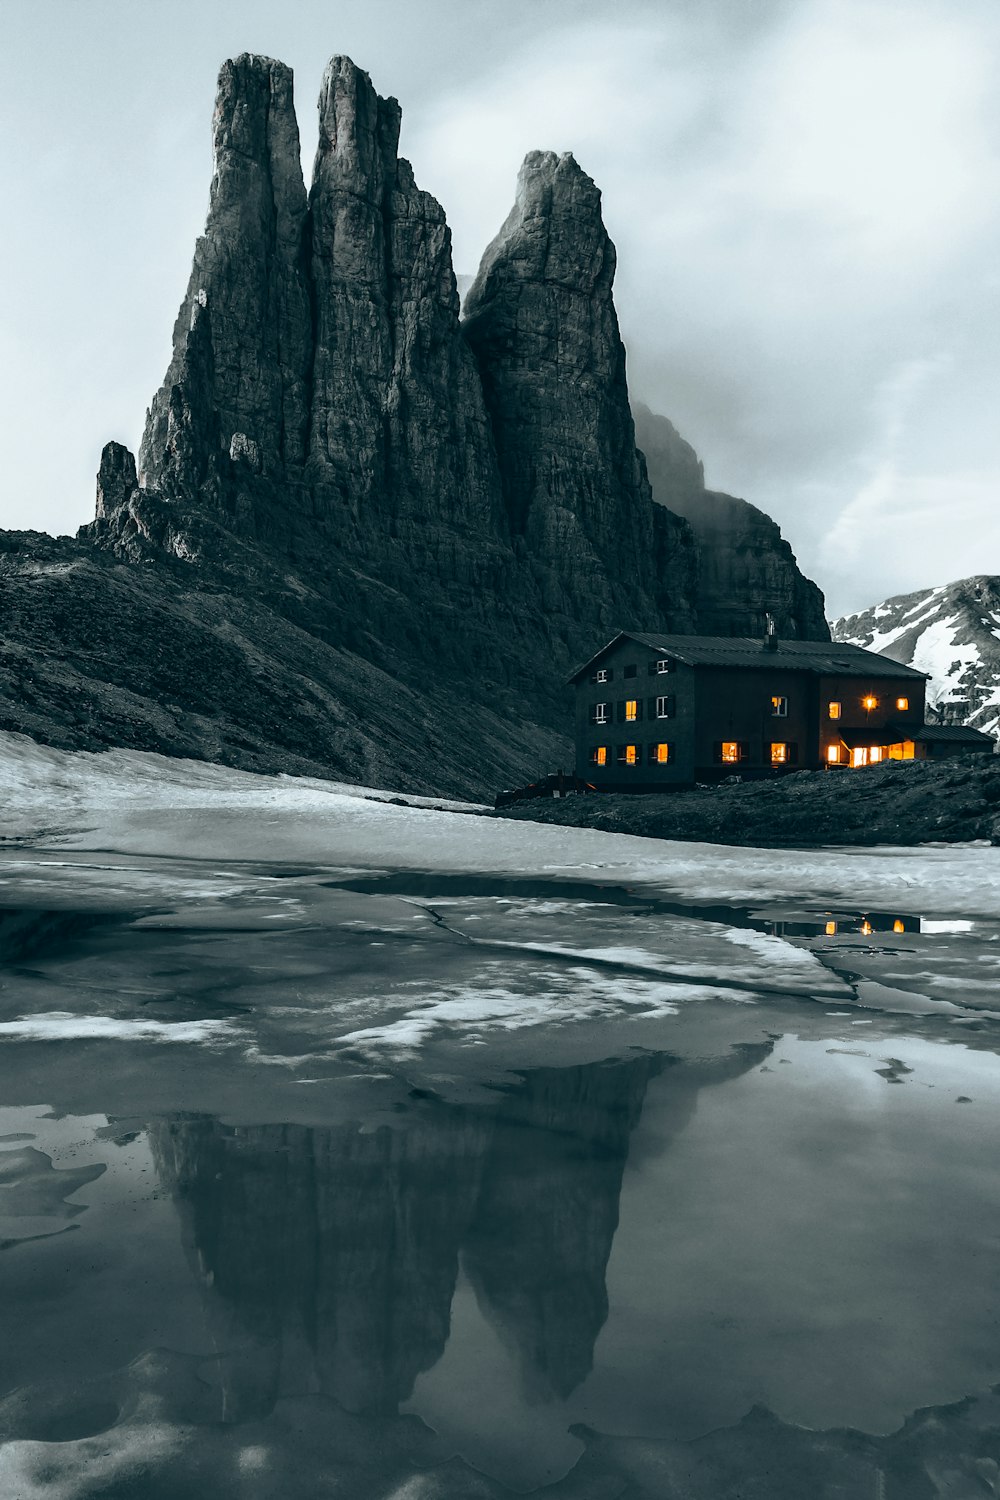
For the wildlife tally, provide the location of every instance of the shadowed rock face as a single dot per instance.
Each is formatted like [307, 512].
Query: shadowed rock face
[746, 568]
[449, 515]
[541, 319]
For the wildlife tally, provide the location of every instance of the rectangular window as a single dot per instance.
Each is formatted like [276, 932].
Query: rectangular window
[834, 710]
[665, 707]
[729, 752]
[599, 713]
[902, 750]
[659, 753]
[628, 755]
[631, 710]
[665, 664]
[902, 704]
[630, 671]
[779, 707]
[601, 675]
[833, 754]
[599, 755]
[779, 754]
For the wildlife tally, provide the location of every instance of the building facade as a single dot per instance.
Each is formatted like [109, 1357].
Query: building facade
[654, 711]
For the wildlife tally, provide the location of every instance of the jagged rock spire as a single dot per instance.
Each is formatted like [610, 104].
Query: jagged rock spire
[541, 319]
[247, 297]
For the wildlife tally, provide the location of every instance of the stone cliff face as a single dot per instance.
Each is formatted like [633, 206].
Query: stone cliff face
[541, 319]
[746, 569]
[456, 511]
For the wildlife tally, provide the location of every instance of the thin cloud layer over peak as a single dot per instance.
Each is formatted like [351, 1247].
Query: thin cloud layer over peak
[801, 212]
[805, 196]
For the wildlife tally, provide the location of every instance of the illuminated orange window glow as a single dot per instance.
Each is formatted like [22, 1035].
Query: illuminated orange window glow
[662, 754]
[868, 702]
[779, 754]
[730, 750]
[631, 754]
[867, 928]
[632, 710]
[902, 704]
[833, 754]
[898, 926]
[834, 710]
[831, 929]
[875, 754]
[601, 755]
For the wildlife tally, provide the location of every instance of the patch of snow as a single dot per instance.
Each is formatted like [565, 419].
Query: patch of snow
[64, 1026]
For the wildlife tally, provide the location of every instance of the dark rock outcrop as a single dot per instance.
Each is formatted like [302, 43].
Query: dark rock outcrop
[541, 319]
[407, 527]
[746, 568]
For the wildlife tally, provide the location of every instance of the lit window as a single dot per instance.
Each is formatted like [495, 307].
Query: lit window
[628, 755]
[833, 754]
[779, 707]
[867, 928]
[899, 925]
[599, 755]
[661, 753]
[730, 750]
[631, 710]
[831, 929]
[902, 704]
[664, 665]
[663, 708]
[779, 754]
[859, 756]
[869, 702]
[834, 710]
[875, 754]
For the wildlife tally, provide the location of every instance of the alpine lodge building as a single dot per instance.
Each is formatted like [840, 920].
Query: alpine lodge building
[654, 711]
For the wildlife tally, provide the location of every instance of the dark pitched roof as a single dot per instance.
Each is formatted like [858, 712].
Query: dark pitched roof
[951, 732]
[828, 658]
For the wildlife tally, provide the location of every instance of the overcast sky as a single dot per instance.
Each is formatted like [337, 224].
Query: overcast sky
[805, 196]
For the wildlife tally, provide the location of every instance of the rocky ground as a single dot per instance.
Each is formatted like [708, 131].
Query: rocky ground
[902, 802]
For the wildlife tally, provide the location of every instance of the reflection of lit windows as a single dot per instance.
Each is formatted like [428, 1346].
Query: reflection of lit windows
[899, 925]
[631, 710]
[628, 755]
[779, 707]
[902, 704]
[868, 702]
[831, 929]
[834, 710]
[599, 755]
[866, 928]
[779, 754]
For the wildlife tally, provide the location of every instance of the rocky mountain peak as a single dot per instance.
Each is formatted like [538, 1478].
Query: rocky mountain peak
[358, 129]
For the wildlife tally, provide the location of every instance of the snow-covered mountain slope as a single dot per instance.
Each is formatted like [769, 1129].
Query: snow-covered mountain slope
[951, 632]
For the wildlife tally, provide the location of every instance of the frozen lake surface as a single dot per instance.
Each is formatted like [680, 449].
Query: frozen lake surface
[358, 1149]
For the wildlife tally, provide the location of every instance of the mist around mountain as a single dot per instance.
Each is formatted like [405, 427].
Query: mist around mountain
[369, 532]
[951, 632]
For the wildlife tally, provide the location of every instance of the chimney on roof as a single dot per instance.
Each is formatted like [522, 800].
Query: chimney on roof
[770, 634]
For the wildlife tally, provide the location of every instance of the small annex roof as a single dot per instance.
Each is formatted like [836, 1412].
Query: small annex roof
[952, 734]
[826, 658]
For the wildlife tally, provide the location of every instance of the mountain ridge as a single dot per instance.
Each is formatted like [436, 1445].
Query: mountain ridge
[423, 522]
[952, 632]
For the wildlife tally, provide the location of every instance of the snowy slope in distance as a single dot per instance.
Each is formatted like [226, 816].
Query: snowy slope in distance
[952, 632]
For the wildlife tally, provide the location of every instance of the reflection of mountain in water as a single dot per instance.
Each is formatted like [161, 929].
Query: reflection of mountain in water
[330, 1255]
